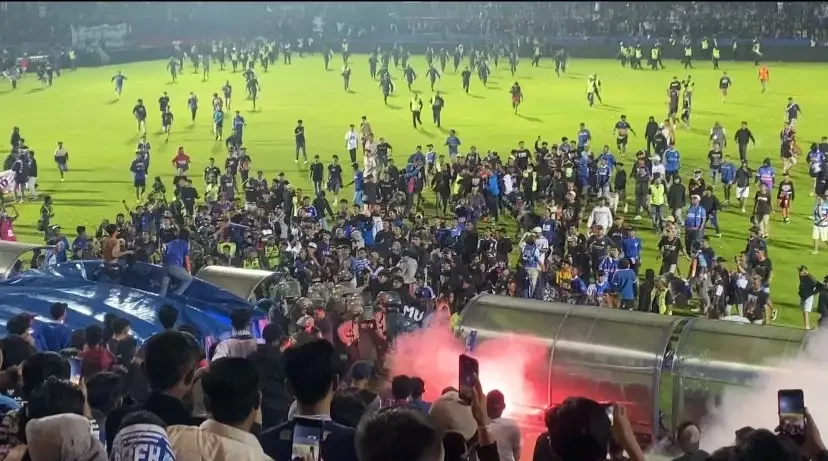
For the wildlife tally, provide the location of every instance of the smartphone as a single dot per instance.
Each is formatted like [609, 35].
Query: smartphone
[307, 439]
[792, 414]
[75, 370]
[610, 409]
[469, 370]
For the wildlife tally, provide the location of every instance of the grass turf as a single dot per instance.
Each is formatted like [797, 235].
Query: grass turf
[100, 132]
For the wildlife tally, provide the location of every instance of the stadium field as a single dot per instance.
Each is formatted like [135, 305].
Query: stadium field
[99, 131]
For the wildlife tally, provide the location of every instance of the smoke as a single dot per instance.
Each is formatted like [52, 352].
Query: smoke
[513, 365]
[756, 406]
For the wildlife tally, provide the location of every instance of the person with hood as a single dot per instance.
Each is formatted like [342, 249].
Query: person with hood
[677, 198]
[67, 437]
[645, 293]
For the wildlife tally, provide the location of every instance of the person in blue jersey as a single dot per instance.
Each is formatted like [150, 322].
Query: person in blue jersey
[139, 175]
[672, 162]
[176, 264]
[625, 284]
[631, 247]
[792, 112]
[694, 222]
[609, 263]
[192, 104]
[359, 186]
[584, 137]
[766, 174]
[728, 172]
[238, 126]
[53, 335]
[603, 174]
[218, 123]
[118, 79]
[532, 262]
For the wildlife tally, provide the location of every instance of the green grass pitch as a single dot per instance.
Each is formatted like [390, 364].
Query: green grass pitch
[100, 132]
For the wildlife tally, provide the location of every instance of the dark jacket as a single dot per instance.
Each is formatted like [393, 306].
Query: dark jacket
[808, 286]
[338, 444]
[169, 409]
[276, 399]
[676, 196]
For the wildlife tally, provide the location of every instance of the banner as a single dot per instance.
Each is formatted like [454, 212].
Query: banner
[7, 182]
[111, 36]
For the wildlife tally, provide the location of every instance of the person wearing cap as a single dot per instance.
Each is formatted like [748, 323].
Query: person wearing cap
[808, 287]
[694, 222]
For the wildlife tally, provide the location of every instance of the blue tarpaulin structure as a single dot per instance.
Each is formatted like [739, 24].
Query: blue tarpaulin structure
[204, 306]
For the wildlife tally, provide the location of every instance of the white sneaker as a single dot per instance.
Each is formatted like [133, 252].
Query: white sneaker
[638, 217]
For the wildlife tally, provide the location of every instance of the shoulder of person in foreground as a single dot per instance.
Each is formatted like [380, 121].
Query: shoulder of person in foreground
[337, 445]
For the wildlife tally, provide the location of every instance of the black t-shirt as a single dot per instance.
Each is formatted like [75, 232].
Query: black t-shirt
[382, 149]
[670, 249]
[299, 132]
[598, 246]
[139, 111]
[763, 269]
[755, 304]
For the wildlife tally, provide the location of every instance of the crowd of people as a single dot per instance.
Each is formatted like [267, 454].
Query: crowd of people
[333, 22]
[96, 394]
[437, 229]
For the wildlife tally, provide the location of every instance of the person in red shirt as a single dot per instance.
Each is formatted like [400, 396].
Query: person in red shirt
[95, 357]
[7, 224]
[764, 76]
[181, 161]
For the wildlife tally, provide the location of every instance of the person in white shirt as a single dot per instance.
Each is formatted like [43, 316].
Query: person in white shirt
[507, 184]
[370, 156]
[506, 431]
[61, 159]
[657, 167]
[601, 215]
[351, 143]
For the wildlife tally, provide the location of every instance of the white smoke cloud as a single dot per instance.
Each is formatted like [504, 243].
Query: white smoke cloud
[756, 406]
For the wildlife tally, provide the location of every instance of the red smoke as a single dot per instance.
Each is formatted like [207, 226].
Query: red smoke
[514, 365]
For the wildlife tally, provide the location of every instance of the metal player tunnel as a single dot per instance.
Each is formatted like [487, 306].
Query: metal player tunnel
[665, 369]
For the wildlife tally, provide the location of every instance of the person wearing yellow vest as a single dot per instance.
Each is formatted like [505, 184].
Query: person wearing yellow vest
[716, 55]
[688, 56]
[73, 60]
[638, 56]
[654, 58]
[705, 46]
[251, 260]
[623, 55]
[658, 197]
